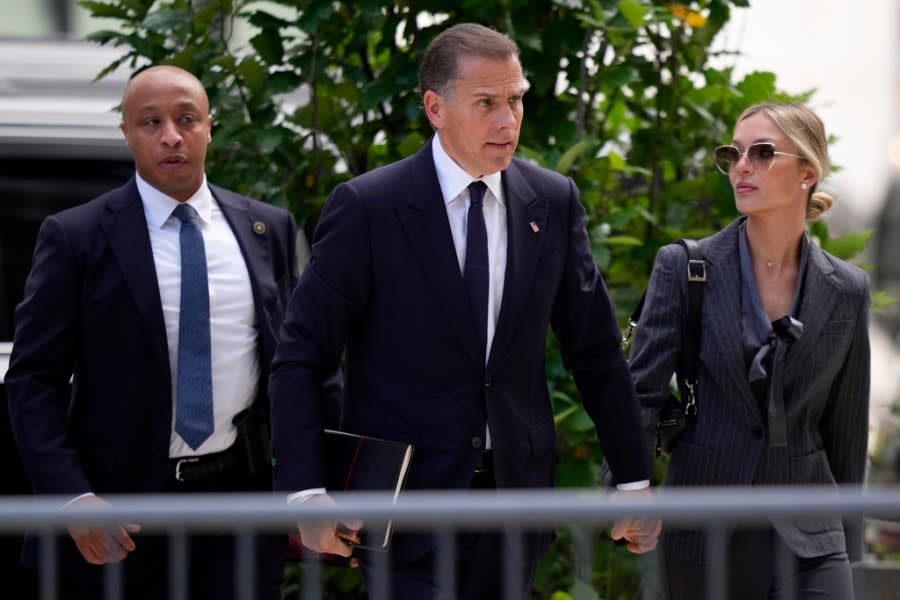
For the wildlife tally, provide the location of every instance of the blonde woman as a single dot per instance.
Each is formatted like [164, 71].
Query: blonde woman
[784, 363]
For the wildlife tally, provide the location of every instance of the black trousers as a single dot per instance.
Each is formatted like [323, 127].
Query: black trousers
[753, 572]
[478, 569]
[212, 570]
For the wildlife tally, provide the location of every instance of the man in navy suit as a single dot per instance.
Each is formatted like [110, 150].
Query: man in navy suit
[101, 309]
[440, 299]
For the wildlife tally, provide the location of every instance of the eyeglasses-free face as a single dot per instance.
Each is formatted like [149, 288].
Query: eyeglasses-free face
[761, 156]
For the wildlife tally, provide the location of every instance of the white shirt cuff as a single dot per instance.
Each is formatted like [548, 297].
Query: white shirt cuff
[77, 498]
[303, 496]
[633, 485]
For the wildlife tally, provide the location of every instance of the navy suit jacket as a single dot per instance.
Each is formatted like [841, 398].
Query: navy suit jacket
[825, 377]
[92, 315]
[384, 286]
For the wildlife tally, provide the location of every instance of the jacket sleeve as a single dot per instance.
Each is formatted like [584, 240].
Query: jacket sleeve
[844, 425]
[584, 322]
[657, 338]
[331, 294]
[42, 363]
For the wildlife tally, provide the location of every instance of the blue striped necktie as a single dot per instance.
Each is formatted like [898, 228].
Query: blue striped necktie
[193, 394]
[476, 271]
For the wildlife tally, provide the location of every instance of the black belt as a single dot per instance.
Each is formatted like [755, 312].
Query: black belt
[209, 467]
[485, 462]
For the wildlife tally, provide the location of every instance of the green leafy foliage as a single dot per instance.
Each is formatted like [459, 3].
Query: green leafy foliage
[625, 97]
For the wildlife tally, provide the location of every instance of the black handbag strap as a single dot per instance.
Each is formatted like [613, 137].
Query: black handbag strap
[689, 358]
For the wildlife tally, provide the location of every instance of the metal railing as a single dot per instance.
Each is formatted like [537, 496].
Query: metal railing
[715, 510]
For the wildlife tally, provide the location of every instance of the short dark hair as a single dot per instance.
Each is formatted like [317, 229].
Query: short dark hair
[440, 63]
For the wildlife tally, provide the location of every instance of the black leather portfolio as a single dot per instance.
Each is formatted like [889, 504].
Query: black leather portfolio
[363, 463]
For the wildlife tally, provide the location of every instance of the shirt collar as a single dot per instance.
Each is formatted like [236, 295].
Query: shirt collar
[453, 179]
[158, 206]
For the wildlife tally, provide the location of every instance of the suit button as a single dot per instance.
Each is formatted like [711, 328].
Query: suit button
[477, 442]
[757, 432]
[487, 383]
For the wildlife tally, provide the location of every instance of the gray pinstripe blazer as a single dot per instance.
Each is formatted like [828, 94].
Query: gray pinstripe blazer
[826, 387]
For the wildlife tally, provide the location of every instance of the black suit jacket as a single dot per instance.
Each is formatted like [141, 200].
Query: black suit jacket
[384, 285]
[92, 314]
[825, 377]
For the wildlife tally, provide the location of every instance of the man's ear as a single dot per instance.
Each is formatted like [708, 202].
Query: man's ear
[434, 108]
[124, 129]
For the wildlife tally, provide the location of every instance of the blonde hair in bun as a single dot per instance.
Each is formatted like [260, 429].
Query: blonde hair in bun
[817, 204]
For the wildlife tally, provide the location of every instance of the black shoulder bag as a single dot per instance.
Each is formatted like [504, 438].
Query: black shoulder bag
[675, 413]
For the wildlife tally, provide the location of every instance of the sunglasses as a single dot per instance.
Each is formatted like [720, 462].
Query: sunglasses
[761, 156]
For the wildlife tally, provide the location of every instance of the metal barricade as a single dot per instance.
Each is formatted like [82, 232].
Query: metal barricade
[715, 510]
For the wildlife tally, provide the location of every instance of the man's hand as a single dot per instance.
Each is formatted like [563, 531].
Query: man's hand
[641, 534]
[322, 536]
[100, 545]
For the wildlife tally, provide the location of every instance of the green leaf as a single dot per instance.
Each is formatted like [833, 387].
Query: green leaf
[105, 36]
[616, 161]
[269, 139]
[166, 19]
[571, 155]
[268, 44]
[184, 59]
[634, 12]
[883, 300]
[252, 73]
[140, 6]
[618, 75]
[110, 68]
[282, 82]
[265, 20]
[410, 144]
[623, 240]
[758, 86]
[104, 10]
[848, 246]
[562, 416]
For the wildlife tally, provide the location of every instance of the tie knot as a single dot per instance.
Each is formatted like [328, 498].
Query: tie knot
[185, 212]
[476, 192]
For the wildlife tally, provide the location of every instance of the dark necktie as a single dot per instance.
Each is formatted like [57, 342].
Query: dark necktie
[476, 271]
[193, 394]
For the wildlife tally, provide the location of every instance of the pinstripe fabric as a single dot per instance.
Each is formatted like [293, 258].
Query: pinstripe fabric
[826, 387]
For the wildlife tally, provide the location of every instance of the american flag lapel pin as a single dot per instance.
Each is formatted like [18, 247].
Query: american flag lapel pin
[534, 227]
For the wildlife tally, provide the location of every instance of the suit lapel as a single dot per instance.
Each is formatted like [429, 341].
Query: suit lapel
[818, 298]
[125, 227]
[250, 230]
[423, 216]
[523, 245]
[721, 319]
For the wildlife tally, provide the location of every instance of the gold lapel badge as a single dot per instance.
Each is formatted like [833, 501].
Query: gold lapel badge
[259, 228]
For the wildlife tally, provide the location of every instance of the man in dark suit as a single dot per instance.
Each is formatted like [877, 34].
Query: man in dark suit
[166, 330]
[441, 298]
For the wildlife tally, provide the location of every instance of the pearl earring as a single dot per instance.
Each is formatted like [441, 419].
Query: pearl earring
[804, 185]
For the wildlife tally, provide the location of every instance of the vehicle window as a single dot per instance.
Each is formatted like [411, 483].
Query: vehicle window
[30, 190]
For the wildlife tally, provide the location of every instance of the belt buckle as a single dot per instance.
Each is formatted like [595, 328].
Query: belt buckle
[483, 465]
[181, 461]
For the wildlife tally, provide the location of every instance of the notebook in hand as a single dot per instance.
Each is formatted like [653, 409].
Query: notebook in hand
[363, 463]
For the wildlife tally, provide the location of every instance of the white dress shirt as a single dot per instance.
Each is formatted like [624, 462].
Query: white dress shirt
[233, 326]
